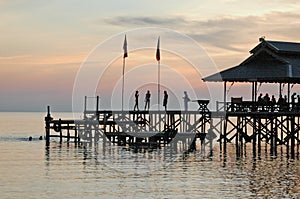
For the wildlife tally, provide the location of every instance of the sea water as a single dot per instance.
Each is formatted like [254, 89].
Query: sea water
[29, 169]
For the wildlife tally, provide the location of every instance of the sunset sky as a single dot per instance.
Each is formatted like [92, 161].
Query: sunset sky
[44, 43]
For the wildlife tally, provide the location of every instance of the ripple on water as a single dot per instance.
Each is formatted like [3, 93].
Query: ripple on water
[28, 170]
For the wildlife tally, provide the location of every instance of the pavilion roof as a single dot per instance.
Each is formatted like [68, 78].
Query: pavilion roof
[270, 61]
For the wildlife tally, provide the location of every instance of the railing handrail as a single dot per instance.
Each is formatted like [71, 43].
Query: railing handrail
[253, 106]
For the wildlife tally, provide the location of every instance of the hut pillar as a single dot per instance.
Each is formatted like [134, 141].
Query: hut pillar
[289, 92]
[225, 96]
[85, 105]
[97, 107]
[224, 136]
[280, 88]
[254, 91]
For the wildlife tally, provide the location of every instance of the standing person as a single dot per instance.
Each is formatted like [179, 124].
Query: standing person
[186, 100]
[285, 103]
[273, 100]
[293, 100]
[165, 101]
[266, 98]
[260, 99]
[147, 100]
[298, 102]
[273, 103]
[285, 99]
[280, 100]
[136, 106]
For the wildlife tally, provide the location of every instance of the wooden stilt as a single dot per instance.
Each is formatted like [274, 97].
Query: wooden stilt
[254, 137]
[48, 119]
[292, 137]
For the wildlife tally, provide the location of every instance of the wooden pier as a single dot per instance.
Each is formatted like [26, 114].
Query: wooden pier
[240, 124]
[134, 128]
[261, 124]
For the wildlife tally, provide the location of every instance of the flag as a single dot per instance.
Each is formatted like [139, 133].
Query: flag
[157, 51]
[125, 48]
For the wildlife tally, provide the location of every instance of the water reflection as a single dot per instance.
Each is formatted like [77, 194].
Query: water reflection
[229, 176]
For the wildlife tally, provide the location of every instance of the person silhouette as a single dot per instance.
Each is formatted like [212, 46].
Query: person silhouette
[186, 100]
[165, 101]
[147, 100]
[260, 99]
[293, 100]
[136, 105]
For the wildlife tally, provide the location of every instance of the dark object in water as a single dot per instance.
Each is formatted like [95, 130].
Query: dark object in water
[30, 138]
[41, 138]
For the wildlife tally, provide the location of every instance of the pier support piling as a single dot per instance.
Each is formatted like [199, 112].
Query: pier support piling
[48, 119]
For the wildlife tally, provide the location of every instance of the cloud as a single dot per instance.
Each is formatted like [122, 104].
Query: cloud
[153, 21]
[13, 57]
[231, 33]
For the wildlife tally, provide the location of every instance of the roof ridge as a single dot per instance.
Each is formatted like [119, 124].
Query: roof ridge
[282, 41]
[278, 46]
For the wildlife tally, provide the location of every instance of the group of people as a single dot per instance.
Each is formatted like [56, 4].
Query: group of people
[282, 100]
[165, 100]
[147, 101]
[266, 99]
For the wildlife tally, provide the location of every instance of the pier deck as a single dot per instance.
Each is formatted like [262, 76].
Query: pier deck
[242, 124]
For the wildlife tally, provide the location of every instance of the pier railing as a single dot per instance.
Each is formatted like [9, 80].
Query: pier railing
[250, 106]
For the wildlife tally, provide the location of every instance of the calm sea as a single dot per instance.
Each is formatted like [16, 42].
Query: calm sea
[30, 170]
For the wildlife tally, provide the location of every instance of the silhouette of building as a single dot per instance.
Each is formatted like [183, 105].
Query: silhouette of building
[270, 62]
[274, 62]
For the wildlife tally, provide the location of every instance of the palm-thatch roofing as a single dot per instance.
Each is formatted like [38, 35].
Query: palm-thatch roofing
[270, 61]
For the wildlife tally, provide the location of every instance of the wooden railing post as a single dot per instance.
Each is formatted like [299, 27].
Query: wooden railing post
[48, 119]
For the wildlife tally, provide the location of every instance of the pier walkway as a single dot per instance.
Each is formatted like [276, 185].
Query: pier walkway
[241, 123]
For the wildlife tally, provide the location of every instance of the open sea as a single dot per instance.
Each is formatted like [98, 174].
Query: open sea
[30, 170]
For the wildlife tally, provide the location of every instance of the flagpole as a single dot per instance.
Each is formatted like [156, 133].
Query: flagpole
[158, 84]
[123, 72]
[158, 72]
[123, 80]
